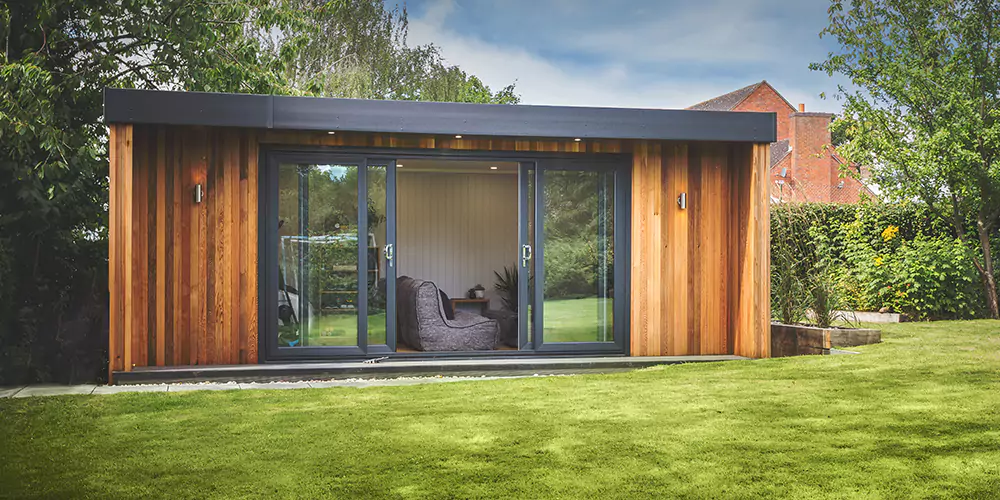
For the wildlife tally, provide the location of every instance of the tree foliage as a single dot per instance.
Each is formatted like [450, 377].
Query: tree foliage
[894, 256]
[924, 107]
[58, 56]
[357, 48]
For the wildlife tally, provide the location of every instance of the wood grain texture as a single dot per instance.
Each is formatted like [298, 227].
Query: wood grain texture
[183, 276]
[700, 282]
[474, 233]
[411, 141]
[753, 315]
[119, 243]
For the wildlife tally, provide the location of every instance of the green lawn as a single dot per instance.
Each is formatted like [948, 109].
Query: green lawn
[342, 329]
[917, 416]
[576, 320]
[568, 320]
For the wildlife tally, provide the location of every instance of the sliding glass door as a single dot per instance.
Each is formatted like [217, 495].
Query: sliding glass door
[329, 261]
[575, 221]
[329, 269]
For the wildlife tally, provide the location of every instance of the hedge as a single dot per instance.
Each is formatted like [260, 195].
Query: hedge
[877, 256]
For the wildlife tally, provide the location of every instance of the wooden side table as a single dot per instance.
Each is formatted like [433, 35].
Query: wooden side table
[478, 306]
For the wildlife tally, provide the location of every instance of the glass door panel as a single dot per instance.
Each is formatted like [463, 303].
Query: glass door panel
[576, 215]
[380, 252]
[526, 243]
[318, 257]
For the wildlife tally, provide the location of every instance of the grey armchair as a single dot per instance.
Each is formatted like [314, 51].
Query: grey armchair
[423, 325]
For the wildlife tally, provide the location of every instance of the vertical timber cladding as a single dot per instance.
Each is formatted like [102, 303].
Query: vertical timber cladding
[183, 275]
[700, 276]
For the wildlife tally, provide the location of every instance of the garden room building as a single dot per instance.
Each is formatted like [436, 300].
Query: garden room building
[270, 231]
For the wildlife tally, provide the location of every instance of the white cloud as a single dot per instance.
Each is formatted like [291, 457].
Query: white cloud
[610, 80]
[715, 32]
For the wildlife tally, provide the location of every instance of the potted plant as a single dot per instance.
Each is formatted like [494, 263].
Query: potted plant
[506, 286]
[477, 292]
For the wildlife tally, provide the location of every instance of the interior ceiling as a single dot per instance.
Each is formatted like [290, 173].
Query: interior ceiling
[455, 166]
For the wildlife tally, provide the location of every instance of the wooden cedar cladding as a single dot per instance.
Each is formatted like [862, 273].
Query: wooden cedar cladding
[183, 276]
[700, 276]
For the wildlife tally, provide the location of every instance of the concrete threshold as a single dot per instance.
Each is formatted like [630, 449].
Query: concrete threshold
[467, 367]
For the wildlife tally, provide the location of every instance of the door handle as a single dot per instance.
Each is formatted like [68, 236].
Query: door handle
[525, 255]
[389, 253]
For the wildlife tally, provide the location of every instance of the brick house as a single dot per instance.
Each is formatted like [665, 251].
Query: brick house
[804, 166]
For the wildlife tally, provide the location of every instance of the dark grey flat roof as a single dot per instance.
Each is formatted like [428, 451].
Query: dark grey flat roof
[413, 117]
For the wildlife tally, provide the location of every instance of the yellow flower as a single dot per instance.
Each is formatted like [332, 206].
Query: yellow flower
[878, 261]
[890, 233]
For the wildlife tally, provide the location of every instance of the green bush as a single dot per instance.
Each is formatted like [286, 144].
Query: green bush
[795, 219]
[925, 278]
[877, 256]
[570, 269]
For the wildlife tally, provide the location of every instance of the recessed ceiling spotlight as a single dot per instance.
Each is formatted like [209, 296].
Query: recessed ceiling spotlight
[399, 165]
[458, 137]
[493, 168]
[578, 139]
[331, 132]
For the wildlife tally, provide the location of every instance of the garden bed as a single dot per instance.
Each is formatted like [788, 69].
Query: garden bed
[798, 340]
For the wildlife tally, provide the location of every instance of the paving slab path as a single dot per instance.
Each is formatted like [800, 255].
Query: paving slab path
[40, 390]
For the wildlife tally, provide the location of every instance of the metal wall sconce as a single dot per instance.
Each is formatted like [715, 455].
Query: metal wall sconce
[199, 193]
[682, 201]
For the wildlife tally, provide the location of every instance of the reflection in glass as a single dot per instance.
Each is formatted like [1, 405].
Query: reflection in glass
[578, 227]
[530, 263]
[317, 255]
[377, 268]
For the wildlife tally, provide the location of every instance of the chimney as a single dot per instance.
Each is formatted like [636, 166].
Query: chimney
[802, 107]
[812, 165]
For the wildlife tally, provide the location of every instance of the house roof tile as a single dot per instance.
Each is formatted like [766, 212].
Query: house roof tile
[726, 102]
[779, 150]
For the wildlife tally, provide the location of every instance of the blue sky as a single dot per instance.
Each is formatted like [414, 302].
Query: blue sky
[641, 53]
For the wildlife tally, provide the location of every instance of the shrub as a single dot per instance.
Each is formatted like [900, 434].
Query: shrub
[823, 295]
[869, 257]
[570, 269]
[926, 278]
[788, 289]
[804, 266]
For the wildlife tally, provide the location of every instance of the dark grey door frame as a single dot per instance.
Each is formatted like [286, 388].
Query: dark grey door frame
[390, 258]
[269, 257]
[622, 237]
[525, 245]
[363, 157]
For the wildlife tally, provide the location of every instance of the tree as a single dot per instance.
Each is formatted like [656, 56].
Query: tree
[357, 48]
[59, 55]
[924, 108]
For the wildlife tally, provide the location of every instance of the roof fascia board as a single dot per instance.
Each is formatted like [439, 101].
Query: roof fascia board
[434, 118]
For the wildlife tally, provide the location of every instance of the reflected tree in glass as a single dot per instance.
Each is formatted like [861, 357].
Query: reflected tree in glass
[578, 229]
[317, 255]
[377, 270]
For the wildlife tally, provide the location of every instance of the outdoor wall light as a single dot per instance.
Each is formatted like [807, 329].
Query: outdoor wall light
[682, 201]
[199, 193]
